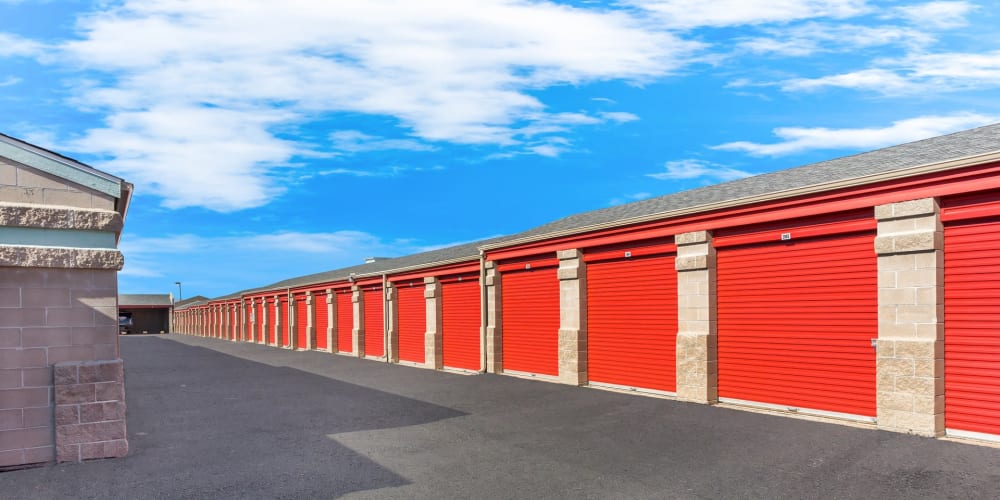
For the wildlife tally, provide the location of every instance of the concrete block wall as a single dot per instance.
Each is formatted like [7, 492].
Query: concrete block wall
[58, 303]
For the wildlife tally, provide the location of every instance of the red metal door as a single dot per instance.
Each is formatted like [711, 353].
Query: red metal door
[796, 316]
[322, 320]
[374, 321]
[301, 322]
[345, 321]
[411, 321]
[460, 322]
[632, 317]
[972, 314]
[283, 315]
[530, 314]
[234, 330]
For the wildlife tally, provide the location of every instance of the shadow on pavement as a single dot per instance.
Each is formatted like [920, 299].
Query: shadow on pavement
[197, 428]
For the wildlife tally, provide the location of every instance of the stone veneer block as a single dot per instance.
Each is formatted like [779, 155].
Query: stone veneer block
[494, 321]
[433, 347]
[572, 274]
[90, 410]
[697, 354]
[910, 356]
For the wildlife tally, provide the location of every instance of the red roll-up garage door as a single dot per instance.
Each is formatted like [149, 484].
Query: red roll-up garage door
[322, 320]
[301, 322]
[460, 322]
[374, 321]
[234, 328]
[530, 313]
[283, 315]
[411, 322]
[632, 316]
[797, 309]
[972, 314]
[345, 321]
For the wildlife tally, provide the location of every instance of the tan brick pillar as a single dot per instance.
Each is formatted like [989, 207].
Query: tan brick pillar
[572, 317]
[358, 332]
[276, 319]
[392, 325]
[293, 322]
[310, 320]
[433, 354]
[494, 320]
[697, 329]
[265, 320]
[331, 319]
[910, 382]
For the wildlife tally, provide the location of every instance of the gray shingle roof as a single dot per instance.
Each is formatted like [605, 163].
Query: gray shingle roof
[144, 299]
[465, 251]
[967, 143]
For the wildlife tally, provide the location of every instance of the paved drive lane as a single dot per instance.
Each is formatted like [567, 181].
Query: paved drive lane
[215, 419]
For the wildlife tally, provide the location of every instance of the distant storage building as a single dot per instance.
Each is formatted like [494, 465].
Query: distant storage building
[144, 313]
[864, 288]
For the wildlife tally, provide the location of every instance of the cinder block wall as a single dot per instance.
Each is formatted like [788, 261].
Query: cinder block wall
[58, 305]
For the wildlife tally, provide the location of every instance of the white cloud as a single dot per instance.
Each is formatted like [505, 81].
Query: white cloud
[941, 15]
[353, 141]
[916, 73]
[686, 14]
[618, 116]
[10, 81]
[811, 38]
[879, 80]
[798, 139]
[391, 171]
[698, 169]
[194, 156]
[460, 72]
[15, 46]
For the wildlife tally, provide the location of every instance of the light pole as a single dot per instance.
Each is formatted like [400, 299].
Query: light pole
[180, 293]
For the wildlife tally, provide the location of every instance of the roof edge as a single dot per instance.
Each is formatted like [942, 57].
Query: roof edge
[60, 166]
[902, 173]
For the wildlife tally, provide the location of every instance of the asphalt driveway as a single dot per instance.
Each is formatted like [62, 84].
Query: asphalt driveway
[215, 419]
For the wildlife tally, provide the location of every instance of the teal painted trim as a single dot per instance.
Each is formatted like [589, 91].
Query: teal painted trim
[61, 169]
[69, 238]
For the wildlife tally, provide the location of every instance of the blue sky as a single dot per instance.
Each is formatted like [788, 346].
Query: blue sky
[268, 140]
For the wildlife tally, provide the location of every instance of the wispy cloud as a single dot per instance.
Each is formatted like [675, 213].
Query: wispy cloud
[915, 73]
[10, 81]
[353, 141]
[391, 171]
[798, 139]
[698, 169]
[940, 15]
[685, 14]
[454, 72]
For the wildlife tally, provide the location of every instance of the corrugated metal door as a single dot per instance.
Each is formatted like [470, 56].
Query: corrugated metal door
[632, 317]
[411, 321]
[530, 314]
[972, 313]
[322, 320]
[234, 329]
[301, 322]
[797, 309]
[460, 322]
[283, 314]
[374, 321]
[345, 321]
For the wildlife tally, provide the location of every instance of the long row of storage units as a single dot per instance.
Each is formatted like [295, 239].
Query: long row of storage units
[864, 288]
